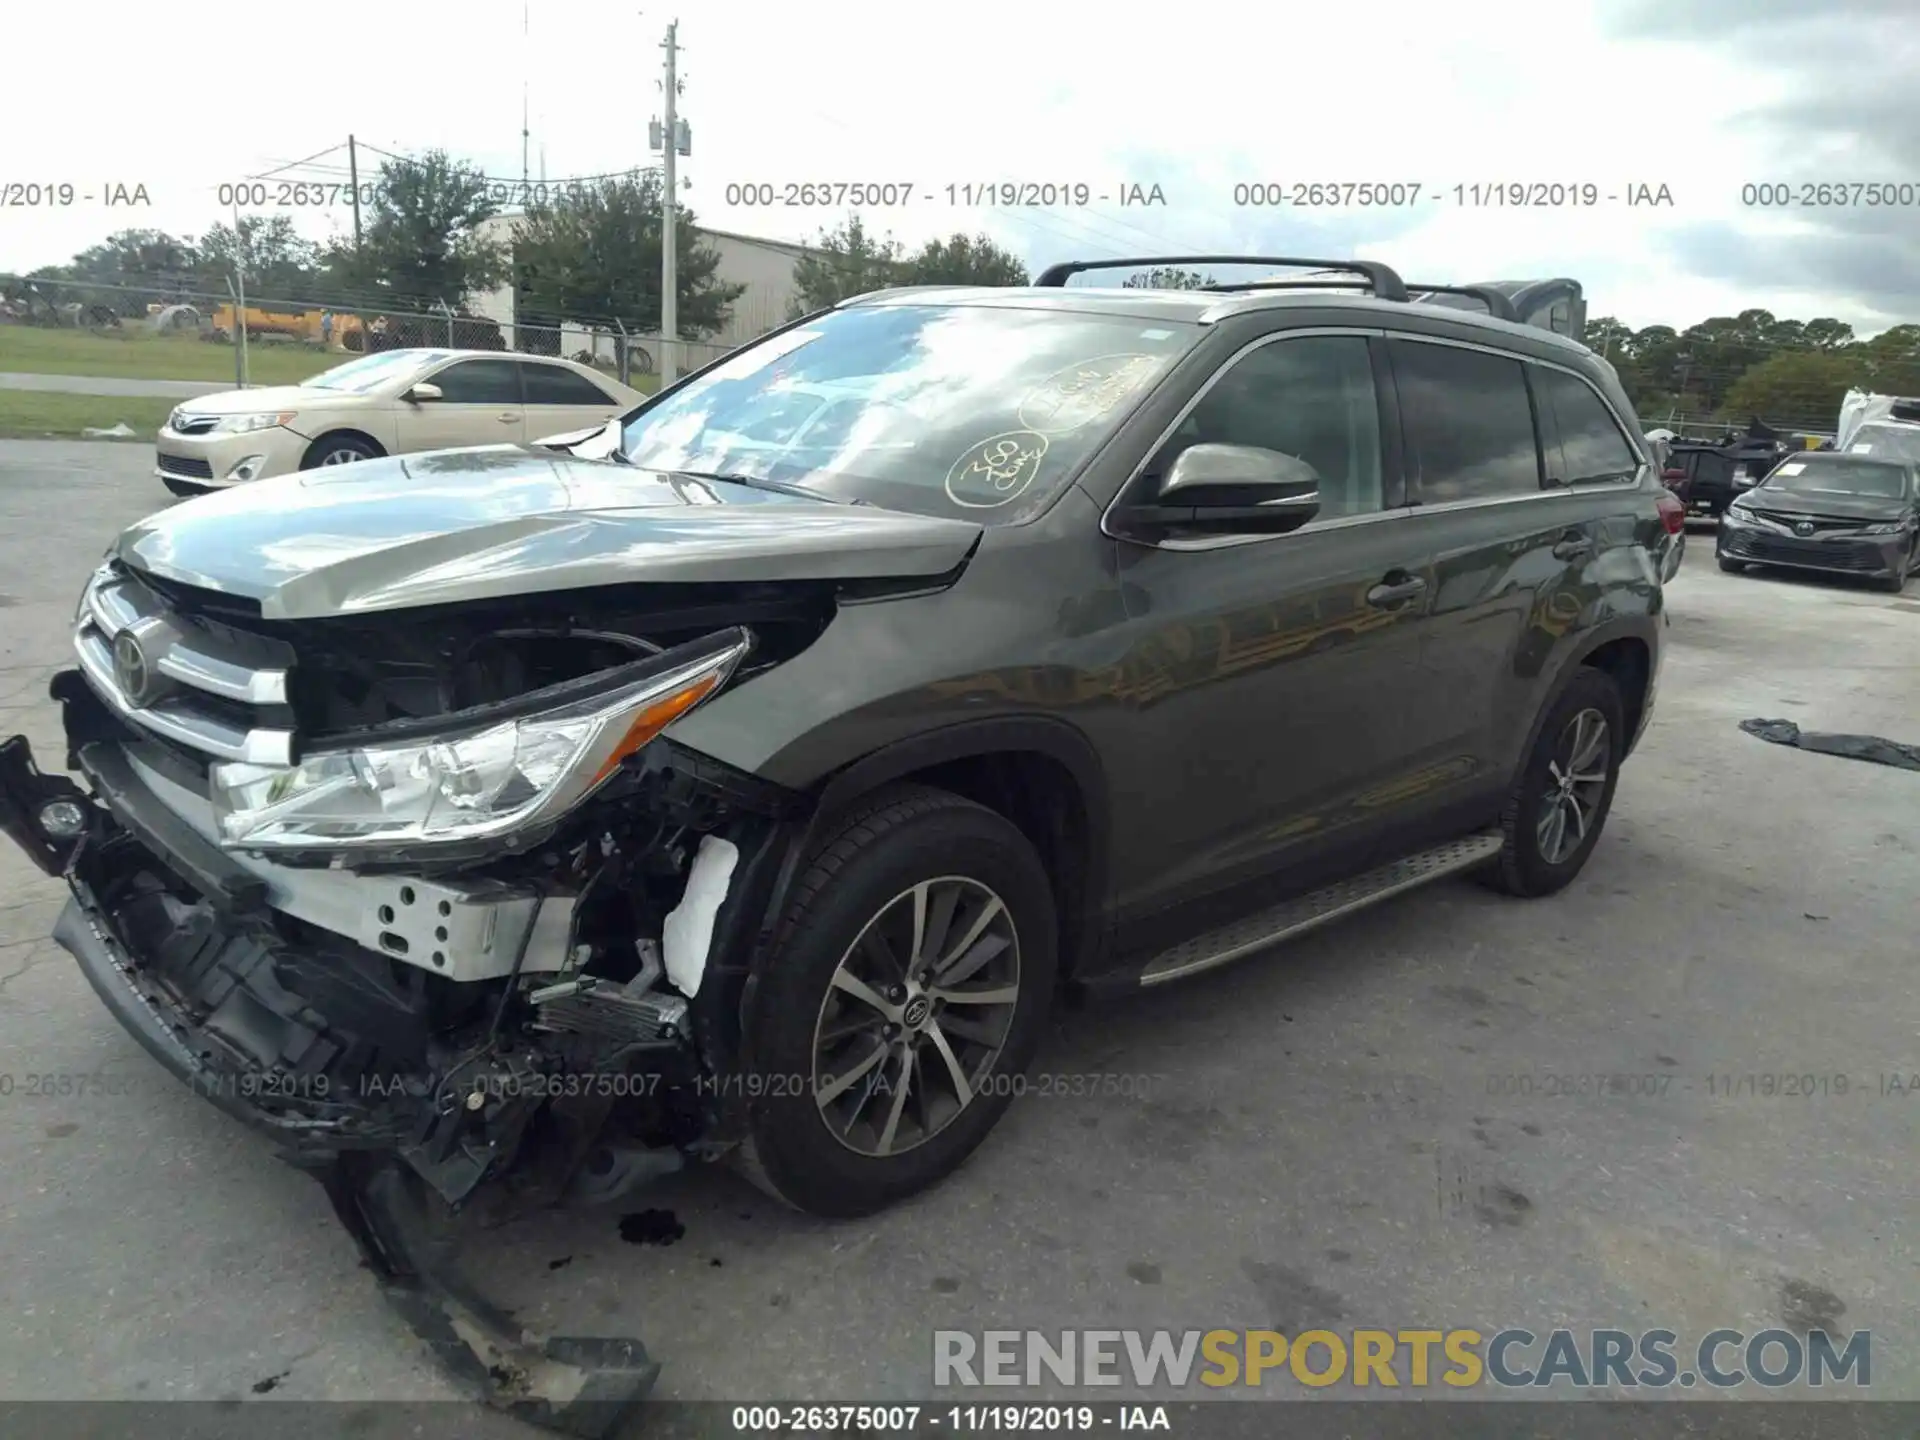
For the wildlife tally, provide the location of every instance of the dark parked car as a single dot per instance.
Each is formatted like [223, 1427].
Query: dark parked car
[1823, 510]
[1708, 474]
[502, 828]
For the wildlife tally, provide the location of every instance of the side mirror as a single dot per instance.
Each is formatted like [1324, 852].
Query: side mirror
[1235, 489]
[423, 391]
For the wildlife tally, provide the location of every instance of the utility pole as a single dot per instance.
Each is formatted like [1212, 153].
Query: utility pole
[239, 302]
[524, 130]
[353, 181]
[669, 219]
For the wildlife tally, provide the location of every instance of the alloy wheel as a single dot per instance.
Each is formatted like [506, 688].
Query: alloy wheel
[341, 457]
[916, 1015]
[1576, 781]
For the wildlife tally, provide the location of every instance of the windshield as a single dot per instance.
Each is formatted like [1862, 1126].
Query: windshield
[1840, 477]
[964, 410]
[372, 371]
[1891, 442]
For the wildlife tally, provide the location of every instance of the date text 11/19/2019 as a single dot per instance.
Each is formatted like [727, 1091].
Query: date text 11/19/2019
[982, 194]
[805, 1418]
[1479, 195]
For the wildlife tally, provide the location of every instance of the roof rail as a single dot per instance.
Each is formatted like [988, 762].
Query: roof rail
[1242, 287]
[1496, 301]
[1381, 279]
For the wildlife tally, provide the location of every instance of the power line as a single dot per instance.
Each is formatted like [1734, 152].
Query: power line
[295, 164]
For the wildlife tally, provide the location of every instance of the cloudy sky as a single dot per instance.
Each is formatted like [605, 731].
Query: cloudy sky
[1699, 96]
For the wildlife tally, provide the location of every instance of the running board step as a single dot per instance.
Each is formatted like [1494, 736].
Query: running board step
[1317, 907]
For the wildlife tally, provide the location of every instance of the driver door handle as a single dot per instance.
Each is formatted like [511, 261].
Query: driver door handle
[507, 417]
[1396, 587]
[1572, 545]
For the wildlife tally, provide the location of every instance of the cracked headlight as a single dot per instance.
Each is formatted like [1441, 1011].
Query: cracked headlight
[242, 424]
[476, 783]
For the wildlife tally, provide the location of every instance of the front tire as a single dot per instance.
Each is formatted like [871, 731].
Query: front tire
[1896, 582]
[904, 998]
[1561, 797]
[339, 450]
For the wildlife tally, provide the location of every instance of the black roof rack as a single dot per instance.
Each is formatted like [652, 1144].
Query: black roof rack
[1381, 279]
[1498, 304]
[1242, 287]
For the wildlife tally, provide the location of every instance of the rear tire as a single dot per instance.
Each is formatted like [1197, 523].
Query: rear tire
[850, 925]
[1571, 772]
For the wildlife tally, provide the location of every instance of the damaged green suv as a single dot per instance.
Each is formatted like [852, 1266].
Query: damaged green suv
[508, 827]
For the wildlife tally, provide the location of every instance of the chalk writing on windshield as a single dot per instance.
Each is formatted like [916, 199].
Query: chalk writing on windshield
[1083, 392]
[996, 471]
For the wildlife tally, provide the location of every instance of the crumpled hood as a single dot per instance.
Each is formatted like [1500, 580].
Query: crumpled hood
[507, 520]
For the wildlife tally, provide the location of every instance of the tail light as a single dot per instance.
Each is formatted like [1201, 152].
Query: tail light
[1673, 514]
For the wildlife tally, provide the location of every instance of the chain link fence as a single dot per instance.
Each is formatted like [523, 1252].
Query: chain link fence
[182, 308]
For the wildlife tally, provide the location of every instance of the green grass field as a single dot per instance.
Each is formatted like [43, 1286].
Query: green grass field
[143, 355]
[49, 414]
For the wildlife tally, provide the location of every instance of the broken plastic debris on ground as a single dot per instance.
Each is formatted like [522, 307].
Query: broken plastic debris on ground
[1852, 747]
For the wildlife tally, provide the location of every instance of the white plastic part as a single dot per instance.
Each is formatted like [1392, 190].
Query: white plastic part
[687, 934]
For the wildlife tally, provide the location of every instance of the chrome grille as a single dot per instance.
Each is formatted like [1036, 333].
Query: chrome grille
[1819, 554]
[1822, 525]
[191, 682]
[181, 423]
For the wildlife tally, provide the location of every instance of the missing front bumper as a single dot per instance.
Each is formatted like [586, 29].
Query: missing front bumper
[192, 966]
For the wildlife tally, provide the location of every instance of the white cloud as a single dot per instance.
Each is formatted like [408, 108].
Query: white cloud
[1193, 99]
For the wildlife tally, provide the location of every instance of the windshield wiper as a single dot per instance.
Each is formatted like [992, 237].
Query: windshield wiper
[779, 487]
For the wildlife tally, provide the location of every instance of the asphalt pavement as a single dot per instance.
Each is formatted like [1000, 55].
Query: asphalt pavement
[1401, 1120]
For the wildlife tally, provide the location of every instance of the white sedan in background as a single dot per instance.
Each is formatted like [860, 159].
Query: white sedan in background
[395, 402]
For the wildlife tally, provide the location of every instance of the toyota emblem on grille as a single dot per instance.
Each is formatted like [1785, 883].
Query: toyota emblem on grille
[130, 670]
[1805, 527]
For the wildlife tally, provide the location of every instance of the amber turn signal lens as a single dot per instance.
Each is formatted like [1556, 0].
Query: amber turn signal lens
[655, 718]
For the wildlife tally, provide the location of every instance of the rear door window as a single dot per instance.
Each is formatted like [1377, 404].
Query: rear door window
[556, 385]
[1468, 423]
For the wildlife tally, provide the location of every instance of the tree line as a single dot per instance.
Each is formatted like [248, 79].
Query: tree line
[1731, 368]
[591, 252]
[583, 252]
